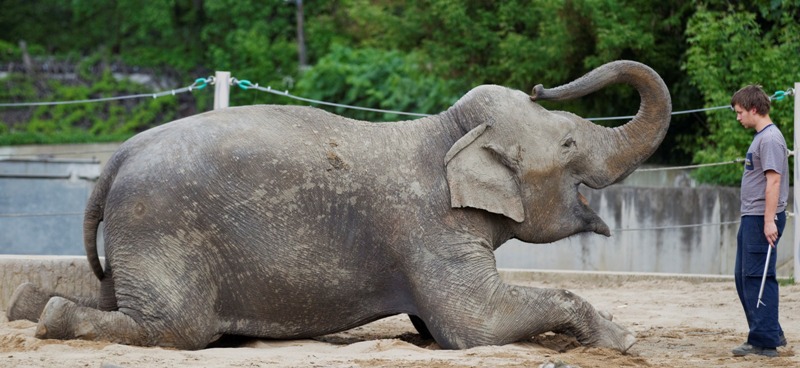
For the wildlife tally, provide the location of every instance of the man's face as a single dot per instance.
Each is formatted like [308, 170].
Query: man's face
[745, 117]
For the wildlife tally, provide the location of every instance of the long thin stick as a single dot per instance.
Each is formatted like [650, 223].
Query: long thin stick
[764, 277]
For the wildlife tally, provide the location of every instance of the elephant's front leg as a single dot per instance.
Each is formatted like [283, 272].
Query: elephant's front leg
[465, 303]
[563, 311]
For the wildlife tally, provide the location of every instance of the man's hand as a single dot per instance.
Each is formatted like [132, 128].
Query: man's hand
[771, 232]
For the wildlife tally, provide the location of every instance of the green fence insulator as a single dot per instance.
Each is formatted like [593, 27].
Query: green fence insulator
[202, 83]
[778, 96]
[244, 84]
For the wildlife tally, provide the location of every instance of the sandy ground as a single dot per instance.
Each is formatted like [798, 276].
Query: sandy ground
[678, 324]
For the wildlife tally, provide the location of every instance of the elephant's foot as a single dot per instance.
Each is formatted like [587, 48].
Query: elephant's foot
[64, 319]
[607, 334]
[27, 302]
[592, 327]
[55, 321]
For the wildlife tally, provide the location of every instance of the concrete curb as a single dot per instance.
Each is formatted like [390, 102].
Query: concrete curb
[604, 278]
[71, 275]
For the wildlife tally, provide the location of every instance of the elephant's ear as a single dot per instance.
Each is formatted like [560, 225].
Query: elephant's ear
[482, 175]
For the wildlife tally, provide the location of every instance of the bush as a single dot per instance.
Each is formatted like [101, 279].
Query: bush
[379, 79]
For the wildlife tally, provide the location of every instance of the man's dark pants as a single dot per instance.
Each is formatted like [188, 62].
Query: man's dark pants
[751, 253]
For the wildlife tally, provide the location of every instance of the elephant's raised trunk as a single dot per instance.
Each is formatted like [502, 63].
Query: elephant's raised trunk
[619, 151]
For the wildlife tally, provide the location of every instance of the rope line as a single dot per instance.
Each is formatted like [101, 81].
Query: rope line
[679, 226]
[247, 85]
[686, 167]
[673, 113]
[199, 83]
[56, 154]
[57, 214]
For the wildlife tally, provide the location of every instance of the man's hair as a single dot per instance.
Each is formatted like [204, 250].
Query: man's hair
[752, 96]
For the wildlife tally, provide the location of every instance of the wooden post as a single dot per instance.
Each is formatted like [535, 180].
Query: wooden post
[301, 38]
[26, 57]
[796, 183]
[222, 89]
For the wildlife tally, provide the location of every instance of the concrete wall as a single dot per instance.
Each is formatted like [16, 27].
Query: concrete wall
[647, 235]
[42, 203]
[100, 152]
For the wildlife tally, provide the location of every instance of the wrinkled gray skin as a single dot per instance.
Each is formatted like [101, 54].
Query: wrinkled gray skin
[288, 222]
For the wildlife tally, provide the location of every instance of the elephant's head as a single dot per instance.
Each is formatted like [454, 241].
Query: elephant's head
[527, 163]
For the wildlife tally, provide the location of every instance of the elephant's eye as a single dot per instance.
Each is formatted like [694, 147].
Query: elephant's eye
[569, 142]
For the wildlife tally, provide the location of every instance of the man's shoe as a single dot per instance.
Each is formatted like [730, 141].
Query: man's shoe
[747, 349]
[783, 341]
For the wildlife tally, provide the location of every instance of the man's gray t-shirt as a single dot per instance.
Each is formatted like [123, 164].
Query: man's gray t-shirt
[767, 152]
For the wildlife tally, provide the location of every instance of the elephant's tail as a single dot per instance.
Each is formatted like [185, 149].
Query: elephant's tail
[95, 209]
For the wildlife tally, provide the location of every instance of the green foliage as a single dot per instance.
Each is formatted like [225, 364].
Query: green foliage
[729, 49]
[414, 56]
[378, 79]
[255, 40]
[8, 51]
[518, 44]
[86, 122]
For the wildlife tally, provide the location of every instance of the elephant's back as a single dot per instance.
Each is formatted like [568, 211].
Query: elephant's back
[299, 135]
[246, 125]
[259, 182]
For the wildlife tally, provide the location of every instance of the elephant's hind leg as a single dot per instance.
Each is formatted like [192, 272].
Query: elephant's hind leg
[64, 319]
[27, 302]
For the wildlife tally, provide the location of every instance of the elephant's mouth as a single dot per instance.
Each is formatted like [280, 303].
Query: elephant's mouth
[592, 221]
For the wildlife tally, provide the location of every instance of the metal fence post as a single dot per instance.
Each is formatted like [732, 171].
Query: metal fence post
[222, 88]
[796, 183]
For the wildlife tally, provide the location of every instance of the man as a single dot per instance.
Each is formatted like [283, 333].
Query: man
[765, 191]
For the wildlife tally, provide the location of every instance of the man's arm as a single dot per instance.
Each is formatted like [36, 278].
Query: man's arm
[771, 198]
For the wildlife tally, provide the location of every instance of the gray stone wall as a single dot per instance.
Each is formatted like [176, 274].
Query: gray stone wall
[650, 234]
[42, 203]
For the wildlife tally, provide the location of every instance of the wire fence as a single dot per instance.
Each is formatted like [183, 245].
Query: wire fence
[657, 228]
[201, 83]
[198, 84]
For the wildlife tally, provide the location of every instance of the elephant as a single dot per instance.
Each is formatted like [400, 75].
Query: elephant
[289, 222]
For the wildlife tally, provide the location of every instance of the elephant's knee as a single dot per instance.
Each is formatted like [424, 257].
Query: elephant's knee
[572, 304]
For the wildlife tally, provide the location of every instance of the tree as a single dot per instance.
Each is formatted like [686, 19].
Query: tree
[519, 44]
[420, 55]
[730, 48]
